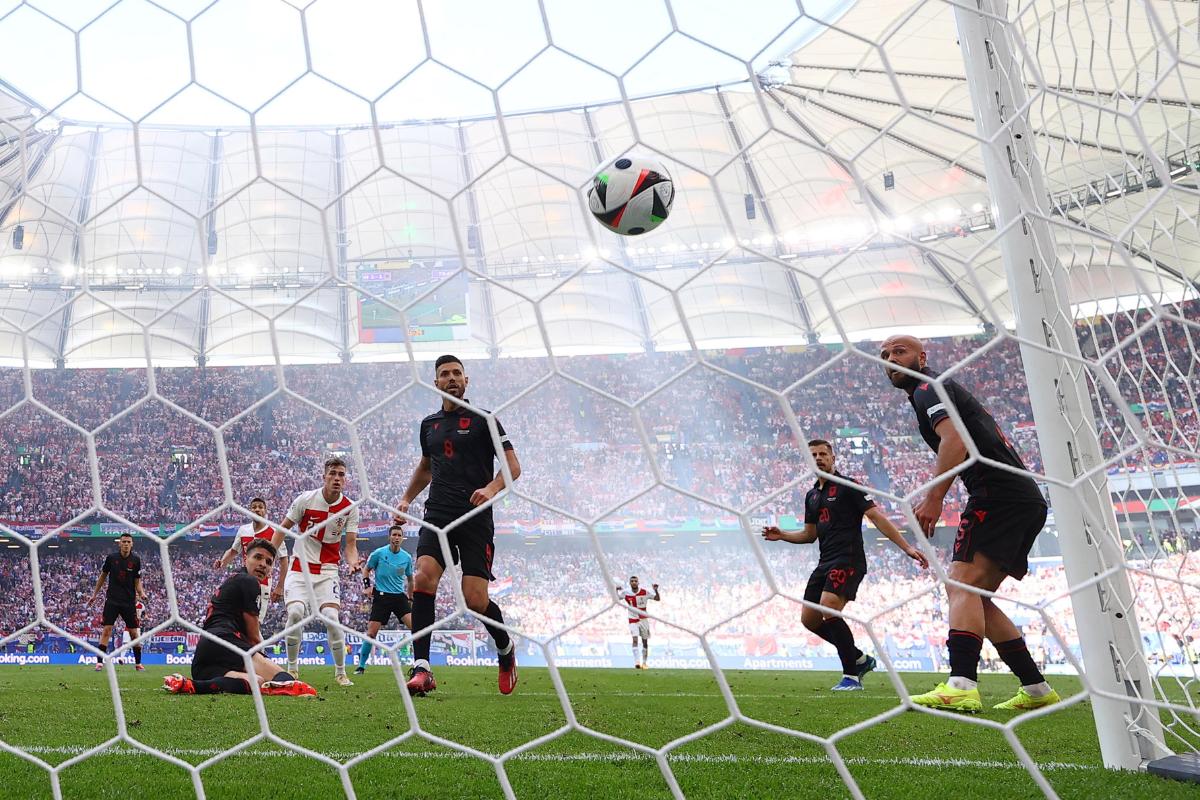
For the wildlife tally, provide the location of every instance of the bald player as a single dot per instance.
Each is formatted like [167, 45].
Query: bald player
[1005, 512]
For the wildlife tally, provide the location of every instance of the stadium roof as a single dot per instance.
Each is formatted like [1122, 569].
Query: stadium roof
[232, 234]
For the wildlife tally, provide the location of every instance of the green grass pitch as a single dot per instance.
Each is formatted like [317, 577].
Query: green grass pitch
[58, 712]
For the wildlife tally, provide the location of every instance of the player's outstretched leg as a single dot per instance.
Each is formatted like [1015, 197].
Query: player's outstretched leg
[965, 641]
[337, 644]
[1035, 692]
[475, 591]
[425, 582]
[295, 619]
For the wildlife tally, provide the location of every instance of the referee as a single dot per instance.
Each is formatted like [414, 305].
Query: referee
[393, 569]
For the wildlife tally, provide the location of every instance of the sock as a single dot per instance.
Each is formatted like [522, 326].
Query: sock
[1015, 654]
[103, 649]
[499, 635]
[337, 638]
[422, 617]
[421, 663]
[645, 653]
[364, 652]
[222, 686]
[635, 653]
[835, 631]
[282, 677]
[295, 616]
[964, 648]
[137, 654]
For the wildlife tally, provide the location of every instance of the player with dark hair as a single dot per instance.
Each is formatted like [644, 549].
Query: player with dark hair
[319, 553]
[833, 515]
[637, 598]
[124, 573]
[393, 572]
[1004, 514]
[232, 618]
[457, 451]
[257, 529]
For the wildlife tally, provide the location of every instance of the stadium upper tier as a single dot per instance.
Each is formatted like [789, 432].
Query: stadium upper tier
[243, 239]
[712, 432]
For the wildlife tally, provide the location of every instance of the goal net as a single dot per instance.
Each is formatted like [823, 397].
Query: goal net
[234, 237]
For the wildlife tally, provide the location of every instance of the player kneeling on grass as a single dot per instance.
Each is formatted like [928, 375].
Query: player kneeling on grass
[833, 515]
[233, 618]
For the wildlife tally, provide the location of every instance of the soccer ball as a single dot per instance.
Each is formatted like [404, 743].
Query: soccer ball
[631, 195]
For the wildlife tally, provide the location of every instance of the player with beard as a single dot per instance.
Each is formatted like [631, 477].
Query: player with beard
[457, 452]
[1004, 514]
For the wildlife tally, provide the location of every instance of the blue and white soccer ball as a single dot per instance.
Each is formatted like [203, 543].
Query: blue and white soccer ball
[631, 195]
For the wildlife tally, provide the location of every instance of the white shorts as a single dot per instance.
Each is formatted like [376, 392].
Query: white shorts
[641, 629]
[326, 591]
[264, 599]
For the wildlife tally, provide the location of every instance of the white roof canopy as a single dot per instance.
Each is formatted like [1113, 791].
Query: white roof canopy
[237, 235]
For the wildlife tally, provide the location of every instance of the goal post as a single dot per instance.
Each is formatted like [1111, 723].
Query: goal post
[1115, 666]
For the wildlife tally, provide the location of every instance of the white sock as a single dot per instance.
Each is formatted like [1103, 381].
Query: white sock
[646, 655]
[337, 639]
[851, 677]
[295, 616]
[861, 660]
[957, 682]
[1037, 689]
[421, 663]
[508, 649]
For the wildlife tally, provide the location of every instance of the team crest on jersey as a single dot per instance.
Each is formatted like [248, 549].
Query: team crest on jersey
[437, 425]
[464, 422]
[833, 491]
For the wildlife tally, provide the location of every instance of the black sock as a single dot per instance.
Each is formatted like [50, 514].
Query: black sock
[835, 631]
[964, 648]
[283, 677]
[499, 635]
[422, 617]
[1015, 654]
[137, 654]
[103, 649]
[222, 686]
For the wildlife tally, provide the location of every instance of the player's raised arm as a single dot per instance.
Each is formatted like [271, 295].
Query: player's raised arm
[656, 596]
[228, 556]
[774, 533]
[895, 535]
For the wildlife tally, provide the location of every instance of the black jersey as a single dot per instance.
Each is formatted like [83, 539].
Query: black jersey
[238, 595]
[459, 447]
[983, 482]
[123, 573]
[837, 511]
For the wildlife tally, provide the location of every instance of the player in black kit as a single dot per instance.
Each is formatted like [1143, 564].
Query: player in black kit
[220, 668]
[833, 515]
[1005, 512]
[124, 572]
[457, 451]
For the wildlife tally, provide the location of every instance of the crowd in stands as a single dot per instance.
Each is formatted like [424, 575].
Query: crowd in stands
[717, 431]
[555, 587]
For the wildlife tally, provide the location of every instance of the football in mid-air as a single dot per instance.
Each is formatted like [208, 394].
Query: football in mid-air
[631, 195]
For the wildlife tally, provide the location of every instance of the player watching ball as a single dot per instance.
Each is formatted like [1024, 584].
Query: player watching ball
[833, 515]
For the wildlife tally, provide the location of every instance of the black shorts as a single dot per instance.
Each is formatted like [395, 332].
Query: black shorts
[839, 579]
[213, 661]
[1002, 531]
[125, 611]
[383, 605]
[472, 543]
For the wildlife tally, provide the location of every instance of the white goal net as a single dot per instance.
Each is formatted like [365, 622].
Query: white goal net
[234, 236]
